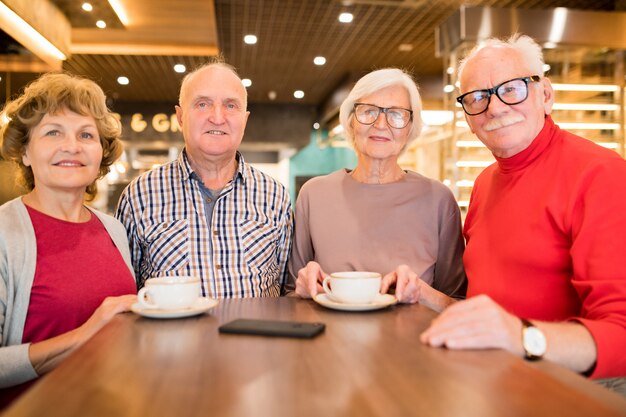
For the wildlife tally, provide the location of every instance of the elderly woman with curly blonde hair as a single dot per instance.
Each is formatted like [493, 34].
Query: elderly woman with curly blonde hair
[65, 268]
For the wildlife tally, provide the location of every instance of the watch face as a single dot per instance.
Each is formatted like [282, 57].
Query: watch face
[534, 341]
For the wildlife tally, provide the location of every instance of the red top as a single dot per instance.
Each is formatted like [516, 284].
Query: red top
[78, 266]
[546, 238]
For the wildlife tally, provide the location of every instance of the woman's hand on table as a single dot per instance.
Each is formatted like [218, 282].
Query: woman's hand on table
[309, 281]
[407, 283]
[48, 354]
[410, 289]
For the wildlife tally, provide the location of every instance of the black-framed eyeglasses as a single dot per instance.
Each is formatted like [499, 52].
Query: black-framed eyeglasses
[509, 92]
[396, 117]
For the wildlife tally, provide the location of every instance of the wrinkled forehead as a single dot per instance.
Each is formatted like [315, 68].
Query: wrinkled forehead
[491, 66]
[216, 82]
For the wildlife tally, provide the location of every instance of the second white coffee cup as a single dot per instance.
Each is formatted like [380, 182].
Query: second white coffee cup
[169, 293]
[352, 287]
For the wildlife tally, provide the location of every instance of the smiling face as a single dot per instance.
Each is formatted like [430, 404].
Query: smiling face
[212, 114]
[506, 129]
[379, 140]
[64, 152]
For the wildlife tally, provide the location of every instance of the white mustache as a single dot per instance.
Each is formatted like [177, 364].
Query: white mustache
[503, 121]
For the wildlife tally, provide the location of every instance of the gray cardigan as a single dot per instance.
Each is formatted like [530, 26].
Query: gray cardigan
[18, 256]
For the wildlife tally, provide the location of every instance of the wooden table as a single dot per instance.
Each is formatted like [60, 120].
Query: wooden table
[364, 364]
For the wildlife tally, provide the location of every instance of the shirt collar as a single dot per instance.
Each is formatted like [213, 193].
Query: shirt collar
[243, 171]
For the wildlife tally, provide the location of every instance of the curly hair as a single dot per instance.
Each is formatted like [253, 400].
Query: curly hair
[49, 94]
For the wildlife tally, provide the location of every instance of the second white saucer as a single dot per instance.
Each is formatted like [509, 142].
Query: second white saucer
[381, 301]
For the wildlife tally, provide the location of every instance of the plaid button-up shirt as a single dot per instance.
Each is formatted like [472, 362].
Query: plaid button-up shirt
[243, 253]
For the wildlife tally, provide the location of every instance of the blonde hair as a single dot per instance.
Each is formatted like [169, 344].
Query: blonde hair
[376, 81]
[50, 94]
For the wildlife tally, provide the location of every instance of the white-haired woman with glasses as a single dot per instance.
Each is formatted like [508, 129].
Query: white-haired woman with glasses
[379, 217]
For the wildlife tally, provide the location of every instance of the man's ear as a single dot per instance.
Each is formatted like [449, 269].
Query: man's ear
[548, 95]
[179, 115]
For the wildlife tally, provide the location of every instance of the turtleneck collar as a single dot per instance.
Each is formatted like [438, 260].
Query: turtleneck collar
[532, 152]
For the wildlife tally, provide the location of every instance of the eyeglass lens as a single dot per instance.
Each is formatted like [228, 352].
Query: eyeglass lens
[510, 92]
[396, 117]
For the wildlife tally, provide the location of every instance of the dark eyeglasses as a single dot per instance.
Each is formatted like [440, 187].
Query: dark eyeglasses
[509, 92]
[396, 117]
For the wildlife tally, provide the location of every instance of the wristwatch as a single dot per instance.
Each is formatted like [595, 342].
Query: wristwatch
[533, 341]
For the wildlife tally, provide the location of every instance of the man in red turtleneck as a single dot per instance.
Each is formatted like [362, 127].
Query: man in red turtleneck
[546, 226]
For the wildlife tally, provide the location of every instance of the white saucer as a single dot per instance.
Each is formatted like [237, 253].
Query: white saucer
[200, 306]
[381, 301]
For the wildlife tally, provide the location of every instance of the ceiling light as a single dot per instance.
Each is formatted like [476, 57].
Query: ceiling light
[250, 39]
[346, 17]
[24, 33]
[87, 7]
[119, 11]
[101, 24]
[448, 88]
[405, 47]
[123, 80]
[450, 70]
[298, 94]
[247, 82]
[271, 95]
[180, 68]
[319, 60]
[546, 68]
[316, 125]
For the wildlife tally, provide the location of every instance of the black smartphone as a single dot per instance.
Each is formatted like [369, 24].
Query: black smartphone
[273, 328]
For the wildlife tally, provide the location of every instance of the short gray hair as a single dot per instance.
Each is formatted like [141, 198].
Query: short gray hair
[215, 62]
[523, 44]
[376, 81]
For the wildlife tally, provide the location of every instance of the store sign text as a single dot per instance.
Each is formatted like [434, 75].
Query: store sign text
[160, 122]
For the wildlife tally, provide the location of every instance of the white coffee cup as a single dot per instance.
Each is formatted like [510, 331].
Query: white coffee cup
[352, 287]
[169, 293]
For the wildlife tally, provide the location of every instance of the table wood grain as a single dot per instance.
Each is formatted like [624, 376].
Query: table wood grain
[364, 364]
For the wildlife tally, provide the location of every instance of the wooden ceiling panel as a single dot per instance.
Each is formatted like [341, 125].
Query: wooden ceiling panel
[290, 34]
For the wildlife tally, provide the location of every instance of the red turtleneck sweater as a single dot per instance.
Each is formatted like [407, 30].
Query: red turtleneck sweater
[546, 238]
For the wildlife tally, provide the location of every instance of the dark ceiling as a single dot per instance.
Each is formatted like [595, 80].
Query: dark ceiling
[290, 34]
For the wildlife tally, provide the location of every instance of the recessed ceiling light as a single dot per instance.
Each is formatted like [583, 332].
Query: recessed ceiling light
[123, 80]
[101, 24]
[448, 88]
[346, 17]
[180, 68]
[450, 70]
[271, 95]
[316, 125]
[546, 68]
[247, 82]
[250, 39]
[87, 7]
[298, 94]
[405, 47]
[319, 60]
